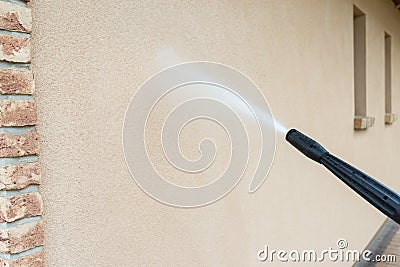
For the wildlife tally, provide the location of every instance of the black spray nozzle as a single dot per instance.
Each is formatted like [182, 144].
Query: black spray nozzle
[376, 193]
[306, 145]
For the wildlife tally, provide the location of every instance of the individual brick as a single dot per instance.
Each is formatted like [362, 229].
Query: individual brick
[15, 48]
[15, 17]
[21, 238]
[20, 206]
[17, 113]
[16, 82]
[19, 145]
[32, 260]
[18, 176]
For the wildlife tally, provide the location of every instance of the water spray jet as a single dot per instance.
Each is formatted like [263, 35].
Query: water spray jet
[383, 198]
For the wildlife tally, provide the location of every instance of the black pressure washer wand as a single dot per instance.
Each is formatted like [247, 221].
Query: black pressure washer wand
[383, 198]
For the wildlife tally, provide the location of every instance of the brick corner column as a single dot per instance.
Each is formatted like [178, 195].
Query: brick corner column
[21, 206]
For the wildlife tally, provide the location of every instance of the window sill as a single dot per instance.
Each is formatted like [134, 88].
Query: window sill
[390, 118]
[363, 122]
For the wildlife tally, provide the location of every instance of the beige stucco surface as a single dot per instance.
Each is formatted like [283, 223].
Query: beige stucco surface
[90, 58]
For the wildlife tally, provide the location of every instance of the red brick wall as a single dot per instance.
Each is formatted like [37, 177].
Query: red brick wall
[21, 228]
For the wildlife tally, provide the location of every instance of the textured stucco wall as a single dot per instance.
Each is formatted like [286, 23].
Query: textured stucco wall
[90, 57]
